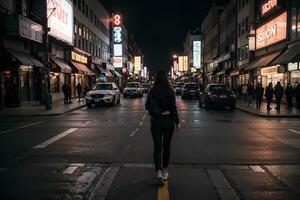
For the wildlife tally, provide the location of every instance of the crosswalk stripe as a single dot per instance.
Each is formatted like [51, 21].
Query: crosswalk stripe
[257, 168]
[54, 139]
[163, 192]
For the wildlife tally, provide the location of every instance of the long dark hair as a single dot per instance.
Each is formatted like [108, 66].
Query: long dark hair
[162, 89]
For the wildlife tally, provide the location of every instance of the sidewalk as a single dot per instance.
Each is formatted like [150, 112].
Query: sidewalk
[283, 113]
[58, 108]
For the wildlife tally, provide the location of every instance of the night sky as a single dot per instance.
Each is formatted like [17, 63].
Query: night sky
[160, 26]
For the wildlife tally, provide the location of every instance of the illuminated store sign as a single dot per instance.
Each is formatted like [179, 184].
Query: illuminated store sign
[117, 20]
[268, 6]
[118, 34]
[197, 54]
[137, 64]
[118, 50]
[183, 63]
[79, 58]
[60, 20]
[271, 32]
[118, 62]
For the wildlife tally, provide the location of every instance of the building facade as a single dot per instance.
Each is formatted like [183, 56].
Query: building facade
[210, 42]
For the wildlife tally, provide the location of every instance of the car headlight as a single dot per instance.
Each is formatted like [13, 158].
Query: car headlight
[88, 95]
[109, 94]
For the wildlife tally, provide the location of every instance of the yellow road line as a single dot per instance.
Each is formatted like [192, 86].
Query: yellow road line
[163, 192]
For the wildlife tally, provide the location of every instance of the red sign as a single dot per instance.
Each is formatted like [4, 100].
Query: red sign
[271, 32]
[117, 20]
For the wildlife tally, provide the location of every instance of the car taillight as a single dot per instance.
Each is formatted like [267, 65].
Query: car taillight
[211, 95]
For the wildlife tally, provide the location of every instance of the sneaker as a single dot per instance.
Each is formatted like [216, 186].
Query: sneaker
[165, 174]
[159, 178]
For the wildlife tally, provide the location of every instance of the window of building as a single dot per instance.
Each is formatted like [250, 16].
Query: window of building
[87, 11]
[83, 6]
[91, 15]
[294, 19]
[79, 4]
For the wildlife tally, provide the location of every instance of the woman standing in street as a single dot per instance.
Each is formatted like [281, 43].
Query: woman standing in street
[289, 92]
[161, 104]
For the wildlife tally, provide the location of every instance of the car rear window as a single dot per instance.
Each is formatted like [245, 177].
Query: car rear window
[191, 86]
[133, 85]
[103, 87]
[219, 88]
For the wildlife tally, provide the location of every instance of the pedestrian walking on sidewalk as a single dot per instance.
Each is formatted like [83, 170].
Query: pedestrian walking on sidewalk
[65, 91]
[250, 93]
[259, 92]
[79, 91]
[297, 94]
[244, 93]
[289, 92]
[278, 91]
[161, 105]
[269, 95]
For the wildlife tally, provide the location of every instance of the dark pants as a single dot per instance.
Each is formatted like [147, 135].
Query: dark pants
[278, 102]
[289, 101]
[79, 95]
[298, 101]
[258, 102]
[269, 101]
[162, 129]
[66, 98]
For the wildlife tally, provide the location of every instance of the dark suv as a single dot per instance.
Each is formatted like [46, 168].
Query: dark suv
[190, 90]
[217, 95]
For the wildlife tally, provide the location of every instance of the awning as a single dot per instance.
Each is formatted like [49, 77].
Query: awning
[82, 68]
[115, 73]
[235, 72]
[65, 68]
[288, 56]
[25, 59]
[263, 61]
[107, 66]
[221, 73]
[104, 71]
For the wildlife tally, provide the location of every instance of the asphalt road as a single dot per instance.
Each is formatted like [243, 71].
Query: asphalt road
[106, 153]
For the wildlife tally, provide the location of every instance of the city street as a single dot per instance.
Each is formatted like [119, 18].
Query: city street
[106, 153]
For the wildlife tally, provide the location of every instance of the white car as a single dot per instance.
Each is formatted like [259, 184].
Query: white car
[103, 93]
[133, 89]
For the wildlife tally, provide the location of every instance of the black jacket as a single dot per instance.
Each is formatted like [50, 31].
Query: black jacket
[279, 90]
[169, 105]
[269, 93]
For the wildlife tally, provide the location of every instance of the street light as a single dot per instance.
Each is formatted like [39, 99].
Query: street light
[175, 56]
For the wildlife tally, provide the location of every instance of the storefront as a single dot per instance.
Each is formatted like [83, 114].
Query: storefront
[60, 74]
[294, 73]
[80, 72]
[20, 74]
[272, 75]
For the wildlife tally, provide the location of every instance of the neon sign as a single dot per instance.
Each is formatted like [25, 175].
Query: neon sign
[117, 20]
[268, 6]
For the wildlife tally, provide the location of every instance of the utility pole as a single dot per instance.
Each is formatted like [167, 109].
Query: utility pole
[47, 92]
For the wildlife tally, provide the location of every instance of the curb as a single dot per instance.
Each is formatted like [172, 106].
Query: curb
[266, 115]
[45, 115]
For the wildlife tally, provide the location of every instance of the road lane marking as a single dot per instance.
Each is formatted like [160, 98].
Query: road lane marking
[218, 179]
[104, 184]
[141, 123]
[183, 121]
[78, 164]
[294, 131]
[54, 139]
[134, 132]
[21, 127]
[224, 189]
[257, 168]
[163, 192]
[86, 123]
[70, 170]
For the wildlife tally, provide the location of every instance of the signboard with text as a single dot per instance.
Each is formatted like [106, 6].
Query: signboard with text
[137, 64]
[60, 22]
[197, 54]
[118, 62]
[272, 32]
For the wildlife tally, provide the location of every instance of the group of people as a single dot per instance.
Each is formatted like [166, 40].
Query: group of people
[66, 88]
[248, 92]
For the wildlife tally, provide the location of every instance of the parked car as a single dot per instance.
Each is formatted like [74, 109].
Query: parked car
[145, 87]
[217, 95]
[190, 90]
[178, 88]
[133, 89]
[103, 93]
